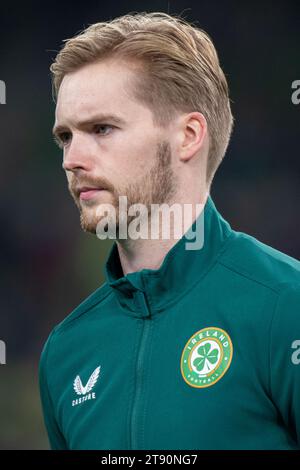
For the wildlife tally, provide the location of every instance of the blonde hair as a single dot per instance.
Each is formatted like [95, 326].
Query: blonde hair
[179, 70]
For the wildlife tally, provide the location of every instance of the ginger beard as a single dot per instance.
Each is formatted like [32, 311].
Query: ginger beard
[156, 186]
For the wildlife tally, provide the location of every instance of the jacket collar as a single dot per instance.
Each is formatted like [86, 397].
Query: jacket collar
[179, 271]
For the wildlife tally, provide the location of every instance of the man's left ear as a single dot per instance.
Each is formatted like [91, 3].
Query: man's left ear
[193, 135]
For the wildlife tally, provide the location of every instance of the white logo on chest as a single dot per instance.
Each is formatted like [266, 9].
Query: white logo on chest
[85, 390]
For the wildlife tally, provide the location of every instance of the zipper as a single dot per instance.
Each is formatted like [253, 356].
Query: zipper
[139, 372]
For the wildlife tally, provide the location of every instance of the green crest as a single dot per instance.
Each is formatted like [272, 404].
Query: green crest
[206, 357]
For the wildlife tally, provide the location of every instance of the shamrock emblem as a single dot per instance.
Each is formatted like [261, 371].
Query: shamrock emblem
[206, 356]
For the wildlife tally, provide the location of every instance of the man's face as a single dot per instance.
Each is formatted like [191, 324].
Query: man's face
[122, 154]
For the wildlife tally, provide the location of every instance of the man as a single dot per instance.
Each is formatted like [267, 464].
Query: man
[182, 347]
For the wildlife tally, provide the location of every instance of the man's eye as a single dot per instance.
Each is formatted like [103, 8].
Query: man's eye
[63, 138]
[102, 128]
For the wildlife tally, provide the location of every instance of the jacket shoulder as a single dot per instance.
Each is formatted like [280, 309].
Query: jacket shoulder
[95, 298]
[260, 262]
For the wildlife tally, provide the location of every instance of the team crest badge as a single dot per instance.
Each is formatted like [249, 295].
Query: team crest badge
[206, 357]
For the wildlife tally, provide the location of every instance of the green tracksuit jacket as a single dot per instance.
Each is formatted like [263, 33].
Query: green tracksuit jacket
[202, 353]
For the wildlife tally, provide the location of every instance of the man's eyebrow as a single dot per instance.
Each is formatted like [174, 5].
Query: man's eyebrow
[91, 120]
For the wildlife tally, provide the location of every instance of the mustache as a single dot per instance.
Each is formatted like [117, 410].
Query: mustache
[76, 186]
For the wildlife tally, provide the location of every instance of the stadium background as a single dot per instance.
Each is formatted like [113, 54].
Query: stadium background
[48, 265]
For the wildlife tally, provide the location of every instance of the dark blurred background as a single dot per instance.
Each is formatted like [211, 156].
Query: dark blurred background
[48, 264]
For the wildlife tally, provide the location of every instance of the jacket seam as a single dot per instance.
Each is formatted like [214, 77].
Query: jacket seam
[66, 322]
[47, 384]
[131, 402]
[274, 291]
[247, 276]
[147, 380]
[269, 345]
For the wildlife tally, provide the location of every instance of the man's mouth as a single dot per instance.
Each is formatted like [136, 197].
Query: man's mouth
[87, 193]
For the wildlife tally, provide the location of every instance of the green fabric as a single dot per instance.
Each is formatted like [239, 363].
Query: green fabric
[136, 328]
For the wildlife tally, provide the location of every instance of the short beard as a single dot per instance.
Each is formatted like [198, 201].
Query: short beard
[157, 186]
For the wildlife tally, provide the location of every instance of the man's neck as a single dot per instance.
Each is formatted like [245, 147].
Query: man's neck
[139, 254]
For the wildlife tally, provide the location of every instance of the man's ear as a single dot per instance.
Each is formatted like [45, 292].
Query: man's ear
[193, 135]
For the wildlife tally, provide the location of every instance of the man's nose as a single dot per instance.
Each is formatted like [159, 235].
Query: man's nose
[78, 155]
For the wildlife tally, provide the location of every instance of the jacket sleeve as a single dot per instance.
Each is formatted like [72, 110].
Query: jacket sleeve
[284, 359]
[56, 439]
